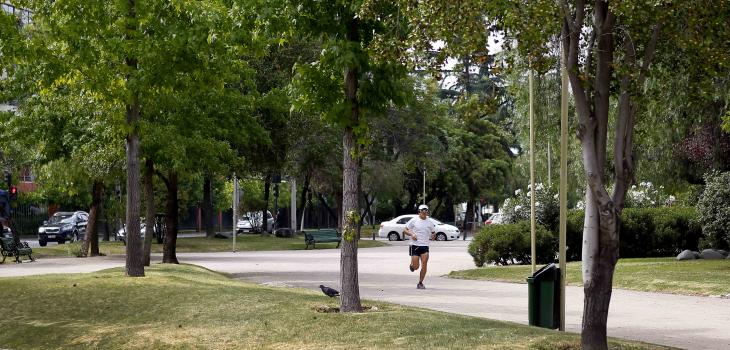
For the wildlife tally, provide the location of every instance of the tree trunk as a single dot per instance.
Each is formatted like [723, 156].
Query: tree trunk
[368, 204]
[90, 246]
[134, 266]
[350, 296]
[600, 232]
[305, 189]
[340, 213]
[264, 218]
[208, 207]
[331, 212]
[449, 211]
[149, 195]
[468, 216]
[104, 212]
[169, 256]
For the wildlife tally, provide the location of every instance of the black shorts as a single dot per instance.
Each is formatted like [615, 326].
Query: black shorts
[417, 250]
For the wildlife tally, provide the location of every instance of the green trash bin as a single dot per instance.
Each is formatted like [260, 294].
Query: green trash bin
[543, 295]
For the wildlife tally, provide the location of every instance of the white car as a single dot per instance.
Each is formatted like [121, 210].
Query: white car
[393, 229]
[494, 219]
[244, 225]
[251, 222]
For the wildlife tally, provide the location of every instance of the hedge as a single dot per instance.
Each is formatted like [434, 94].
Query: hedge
[645, 232]
[510, 244]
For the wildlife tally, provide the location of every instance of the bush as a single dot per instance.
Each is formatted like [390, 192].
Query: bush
[574, 235]
[547, 207]
[510, 244]
[645, 232]
[645, 195]
[714, 211]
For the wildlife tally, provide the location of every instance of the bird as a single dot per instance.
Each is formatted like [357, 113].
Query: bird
[329, 291]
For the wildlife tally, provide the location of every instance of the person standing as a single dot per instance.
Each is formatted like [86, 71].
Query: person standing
[421, 230]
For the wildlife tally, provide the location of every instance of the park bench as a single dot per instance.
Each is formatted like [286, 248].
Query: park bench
[8, 248]
[321, 236]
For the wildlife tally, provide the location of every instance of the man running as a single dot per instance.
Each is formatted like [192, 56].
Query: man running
[421, 230]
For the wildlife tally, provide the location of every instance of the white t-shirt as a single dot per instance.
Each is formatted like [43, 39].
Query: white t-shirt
[423, 230]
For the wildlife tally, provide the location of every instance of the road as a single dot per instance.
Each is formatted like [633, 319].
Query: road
[673, 320]
[33, 241]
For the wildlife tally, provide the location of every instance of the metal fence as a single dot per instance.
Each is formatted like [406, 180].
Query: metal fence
[26, 218]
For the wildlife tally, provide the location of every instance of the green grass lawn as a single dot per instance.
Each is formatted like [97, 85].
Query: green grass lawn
[202, 244]
[187, 307]
[692, 277]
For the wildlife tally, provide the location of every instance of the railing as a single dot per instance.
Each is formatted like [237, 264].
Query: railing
[26, 218]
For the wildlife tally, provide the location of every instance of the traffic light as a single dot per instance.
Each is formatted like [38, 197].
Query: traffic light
[4, 205]
[8, 179]
[12, 193]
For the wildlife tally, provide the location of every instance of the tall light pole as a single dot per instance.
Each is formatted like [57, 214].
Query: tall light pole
[563, 180]
[424, 186]
[235, 210]
[533, 227]
[293, 203]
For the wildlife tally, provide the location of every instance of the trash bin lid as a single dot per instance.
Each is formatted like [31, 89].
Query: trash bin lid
[548, 272]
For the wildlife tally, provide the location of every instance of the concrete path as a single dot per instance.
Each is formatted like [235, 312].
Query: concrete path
[674, 320]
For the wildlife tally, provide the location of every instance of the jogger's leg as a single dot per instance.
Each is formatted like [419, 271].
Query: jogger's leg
[414, 262]
[424, 266]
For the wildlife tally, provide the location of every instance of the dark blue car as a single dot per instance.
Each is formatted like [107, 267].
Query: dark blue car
[62, 227]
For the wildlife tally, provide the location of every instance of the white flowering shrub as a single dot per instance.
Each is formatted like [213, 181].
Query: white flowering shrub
[547, 206]
[714, 211]
[646, 195]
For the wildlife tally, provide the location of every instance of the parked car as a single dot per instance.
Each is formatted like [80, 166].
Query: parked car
[244, 225]
[494, 219]
[158, 230]
[122, 233]
[393, 229]
[254, 219]
[62, 227]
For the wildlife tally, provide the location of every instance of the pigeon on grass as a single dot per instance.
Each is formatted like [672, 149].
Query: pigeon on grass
[329, 291]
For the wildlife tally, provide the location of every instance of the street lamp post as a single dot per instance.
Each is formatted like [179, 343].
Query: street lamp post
[235, 210]
[424, 186]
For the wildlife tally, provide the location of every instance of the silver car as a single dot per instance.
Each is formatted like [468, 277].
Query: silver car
[393, 229]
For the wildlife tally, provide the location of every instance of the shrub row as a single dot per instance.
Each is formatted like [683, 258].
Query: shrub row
[645, 232]
[510, 244]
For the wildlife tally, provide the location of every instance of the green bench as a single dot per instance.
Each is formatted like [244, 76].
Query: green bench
[326, 235]
[8, 248]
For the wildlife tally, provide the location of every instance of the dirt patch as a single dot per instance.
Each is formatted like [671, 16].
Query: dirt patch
[332, 309]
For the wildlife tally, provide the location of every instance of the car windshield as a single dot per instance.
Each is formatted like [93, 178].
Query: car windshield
[436, 222]
[59, 218]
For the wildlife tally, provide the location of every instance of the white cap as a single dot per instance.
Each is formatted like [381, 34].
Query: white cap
[422, 207]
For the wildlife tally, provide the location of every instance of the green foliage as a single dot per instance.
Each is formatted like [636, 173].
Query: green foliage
[714, 210]
[644, 232]
[349, 229]
[574, 235]
[510, 244]
[479, 153]
[346, 31]
[646, 195]
[547, 207]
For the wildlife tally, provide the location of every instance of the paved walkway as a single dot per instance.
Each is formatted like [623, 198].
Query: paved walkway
[674, 320]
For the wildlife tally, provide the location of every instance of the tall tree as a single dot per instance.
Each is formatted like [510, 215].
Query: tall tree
[366, 87]
[610, 47]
